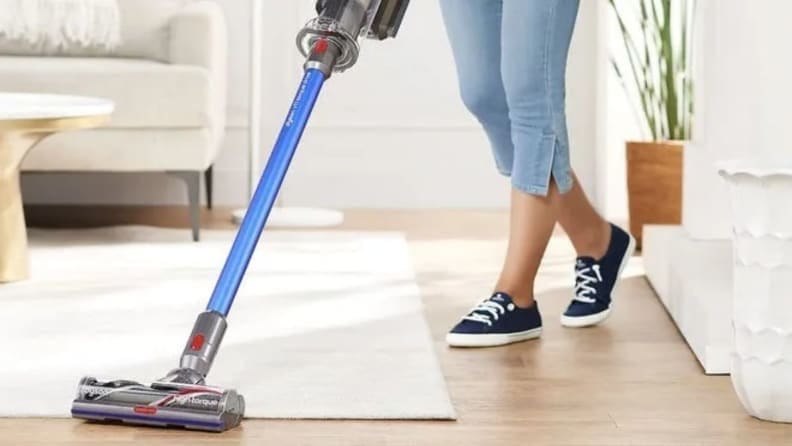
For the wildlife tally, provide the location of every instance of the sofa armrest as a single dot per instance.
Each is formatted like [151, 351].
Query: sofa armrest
[199, 36]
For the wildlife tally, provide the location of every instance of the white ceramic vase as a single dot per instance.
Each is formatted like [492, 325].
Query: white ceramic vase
[762, 223]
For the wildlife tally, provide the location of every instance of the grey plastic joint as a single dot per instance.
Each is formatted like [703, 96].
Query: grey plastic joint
[324, 57]
[202, 346]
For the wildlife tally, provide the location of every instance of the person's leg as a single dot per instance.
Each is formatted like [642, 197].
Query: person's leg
[474, 28]
[474, 31]
[603, 251]
[535, 43]
[536, 38]
[585, 227]
[531, 222]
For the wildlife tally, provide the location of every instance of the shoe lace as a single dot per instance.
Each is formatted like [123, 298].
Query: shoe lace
[584, 291]
[487, 312]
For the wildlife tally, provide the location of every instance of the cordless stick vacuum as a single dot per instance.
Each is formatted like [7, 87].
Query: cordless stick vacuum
[330, 42]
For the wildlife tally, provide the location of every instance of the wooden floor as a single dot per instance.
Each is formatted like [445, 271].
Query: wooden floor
[631, 381]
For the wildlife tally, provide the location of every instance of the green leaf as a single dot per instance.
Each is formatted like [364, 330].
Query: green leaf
[656, 41]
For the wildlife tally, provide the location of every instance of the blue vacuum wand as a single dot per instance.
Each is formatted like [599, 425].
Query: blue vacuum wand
[266, 193]
[181, 399]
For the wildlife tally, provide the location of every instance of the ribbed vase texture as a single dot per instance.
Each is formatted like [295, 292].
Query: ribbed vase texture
[762, 360]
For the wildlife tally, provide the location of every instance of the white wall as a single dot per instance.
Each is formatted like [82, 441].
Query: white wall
[619, 123]
[391, 133]
[742, 103]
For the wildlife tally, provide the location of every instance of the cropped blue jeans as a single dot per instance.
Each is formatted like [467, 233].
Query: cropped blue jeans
[511, 58]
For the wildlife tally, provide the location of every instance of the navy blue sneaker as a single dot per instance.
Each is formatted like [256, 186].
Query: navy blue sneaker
[595, 281]
[496, 321]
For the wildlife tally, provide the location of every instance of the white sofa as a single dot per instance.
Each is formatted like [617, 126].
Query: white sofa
[168, 80]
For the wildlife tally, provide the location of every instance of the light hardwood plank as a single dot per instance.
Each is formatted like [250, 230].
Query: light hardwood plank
[632, 381]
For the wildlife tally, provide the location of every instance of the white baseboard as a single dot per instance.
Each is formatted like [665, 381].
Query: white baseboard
[693, 279]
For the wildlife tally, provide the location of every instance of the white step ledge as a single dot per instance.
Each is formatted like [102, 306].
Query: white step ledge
[693, 279]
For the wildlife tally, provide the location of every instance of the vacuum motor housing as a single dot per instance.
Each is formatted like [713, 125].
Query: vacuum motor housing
[387, 20]
[341, 23]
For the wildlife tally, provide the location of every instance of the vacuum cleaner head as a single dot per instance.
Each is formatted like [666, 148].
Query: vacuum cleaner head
[162, 404]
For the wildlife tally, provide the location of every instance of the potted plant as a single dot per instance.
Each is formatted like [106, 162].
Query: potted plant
[655, 71]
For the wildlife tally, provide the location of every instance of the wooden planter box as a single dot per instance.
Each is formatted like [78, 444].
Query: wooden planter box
[654, 184]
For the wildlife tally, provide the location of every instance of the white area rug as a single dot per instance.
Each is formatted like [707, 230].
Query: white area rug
[326, 325]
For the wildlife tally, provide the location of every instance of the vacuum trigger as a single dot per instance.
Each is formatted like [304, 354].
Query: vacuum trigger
[198, 342]
[321, 46]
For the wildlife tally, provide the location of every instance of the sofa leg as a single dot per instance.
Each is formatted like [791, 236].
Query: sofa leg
[193, 182]
[209, 183]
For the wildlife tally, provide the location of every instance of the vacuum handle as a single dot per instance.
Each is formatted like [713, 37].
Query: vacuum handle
[388, 20]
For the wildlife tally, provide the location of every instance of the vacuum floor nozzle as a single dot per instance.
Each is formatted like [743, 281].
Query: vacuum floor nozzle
[160, 404]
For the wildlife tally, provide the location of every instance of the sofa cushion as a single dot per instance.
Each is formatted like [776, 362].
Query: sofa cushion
[124, 150]
[144, 34]
[147, 94]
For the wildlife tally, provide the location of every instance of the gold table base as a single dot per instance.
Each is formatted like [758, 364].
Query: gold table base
[17, 137]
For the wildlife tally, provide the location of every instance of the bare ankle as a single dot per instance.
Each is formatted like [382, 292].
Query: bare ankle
[596, 242]
[524, 302]
[522, 296]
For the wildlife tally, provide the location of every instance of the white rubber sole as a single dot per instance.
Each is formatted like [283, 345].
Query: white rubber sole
[598, 318]
[585, 321]
[491, 340]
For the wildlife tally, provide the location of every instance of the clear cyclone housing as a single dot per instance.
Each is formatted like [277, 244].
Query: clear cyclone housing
[341, 27]
[329, 29]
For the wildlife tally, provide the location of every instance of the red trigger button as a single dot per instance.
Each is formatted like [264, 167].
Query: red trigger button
[321, 46]
[197, 342]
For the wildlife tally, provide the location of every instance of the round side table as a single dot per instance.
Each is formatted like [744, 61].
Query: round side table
[26, 119]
